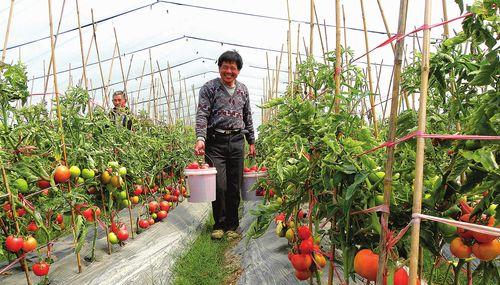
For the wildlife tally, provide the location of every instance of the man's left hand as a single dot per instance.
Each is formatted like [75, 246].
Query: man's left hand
[251, 150]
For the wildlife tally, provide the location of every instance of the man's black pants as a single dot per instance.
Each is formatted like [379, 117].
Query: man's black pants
[226, 153]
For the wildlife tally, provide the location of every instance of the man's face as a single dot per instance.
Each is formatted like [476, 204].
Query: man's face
[119, 101]
[228, 72]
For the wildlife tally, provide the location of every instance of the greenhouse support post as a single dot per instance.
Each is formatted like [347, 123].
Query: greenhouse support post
[419, 164]
[61, 130]
[446, 31]
[186, 93]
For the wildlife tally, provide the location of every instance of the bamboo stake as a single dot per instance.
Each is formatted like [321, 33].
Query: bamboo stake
[14, 217]
[152, 89]
[326, 36]
[58, 106]
[55, 43]
[84, 65]
[320, 36]
[155, 96]
[11, 10]
[121, 63]
[419, 164]
[171, 82]
[445, 18]
[298, 45]
[181, 104]
[105, 88]
[403, 9]
[387, 96]
[378, 74]
[111, 67]
[140, 80]
[385, 24]
[188, 102]
[289, 47]
[70, 78]
[170, 119]
[369, 71]
[195, 104]
[336, 74]
[32, 86]
[88, 51]
[311, 29]
[278, 67]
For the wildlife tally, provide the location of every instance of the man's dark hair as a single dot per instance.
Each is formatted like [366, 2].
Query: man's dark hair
[120, 92]
[231, 56]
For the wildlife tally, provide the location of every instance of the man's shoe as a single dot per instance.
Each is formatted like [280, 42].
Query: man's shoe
[232, 235]
[217, 234]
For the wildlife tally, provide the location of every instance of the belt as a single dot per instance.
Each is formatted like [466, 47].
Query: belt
[228, 132]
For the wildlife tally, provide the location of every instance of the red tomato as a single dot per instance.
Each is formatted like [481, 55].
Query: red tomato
[61, 174]
[14, 244]
[41, 268]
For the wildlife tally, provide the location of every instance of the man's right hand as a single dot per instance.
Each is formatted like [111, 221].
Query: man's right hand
[199, 148]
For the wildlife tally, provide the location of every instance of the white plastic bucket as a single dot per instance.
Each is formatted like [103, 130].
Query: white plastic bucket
[249, 180]
[201, 184]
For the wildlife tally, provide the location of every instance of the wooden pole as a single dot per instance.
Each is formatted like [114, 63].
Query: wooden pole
[88, 51]
[326, 36]
[369, 71]
[84, 65]
[419, 164]
[105, 88]
[378, 74]
[403, 9]
[58, 106]
[11, 10]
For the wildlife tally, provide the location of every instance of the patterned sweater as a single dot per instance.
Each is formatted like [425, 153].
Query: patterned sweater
[219, 110]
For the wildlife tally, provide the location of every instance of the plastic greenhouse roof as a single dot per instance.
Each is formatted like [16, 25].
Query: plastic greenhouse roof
[189, 35]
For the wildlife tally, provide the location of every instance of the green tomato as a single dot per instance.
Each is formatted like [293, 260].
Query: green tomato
[122, 171]
[125, 202]
[80, 180]
[75, 171]
[491, 210]
[21, 185]
[113, 164]
[113, 239]
[379, 200]
[88, 173]
[122, 194]
[376, 176]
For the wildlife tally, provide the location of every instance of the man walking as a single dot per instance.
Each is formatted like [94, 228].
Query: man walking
[223, 121]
